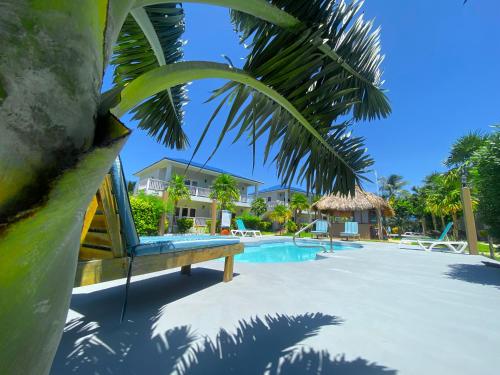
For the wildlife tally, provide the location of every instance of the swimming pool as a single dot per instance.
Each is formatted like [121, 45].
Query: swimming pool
[286, 251]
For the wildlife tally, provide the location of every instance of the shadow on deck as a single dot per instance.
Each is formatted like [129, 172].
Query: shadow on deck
[97, 344]
[475, 273]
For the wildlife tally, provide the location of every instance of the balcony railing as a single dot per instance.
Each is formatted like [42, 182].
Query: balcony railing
[272, 204]
[155, 186]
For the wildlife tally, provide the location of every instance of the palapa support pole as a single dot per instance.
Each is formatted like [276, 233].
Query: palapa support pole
[330, 232]
[214, 217]
[379, 223]
[470, 225]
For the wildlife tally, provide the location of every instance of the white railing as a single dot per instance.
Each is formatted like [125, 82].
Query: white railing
[156, 186]
[272, 204]
[198, 221]
[200, 191]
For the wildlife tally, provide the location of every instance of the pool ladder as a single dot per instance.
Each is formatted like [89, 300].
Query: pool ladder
[320, 245]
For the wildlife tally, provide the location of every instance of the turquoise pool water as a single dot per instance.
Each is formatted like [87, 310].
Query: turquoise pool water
[278, 252]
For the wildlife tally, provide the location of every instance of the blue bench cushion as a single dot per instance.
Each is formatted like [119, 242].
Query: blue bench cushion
[166, 244]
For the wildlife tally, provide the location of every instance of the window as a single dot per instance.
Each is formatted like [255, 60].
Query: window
[269, 199]
[187, 182]
[184, 211]
[177, 211]
[194, 183]
[192, 212]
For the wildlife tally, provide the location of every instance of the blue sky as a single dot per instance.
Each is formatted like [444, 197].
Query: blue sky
[441, 71]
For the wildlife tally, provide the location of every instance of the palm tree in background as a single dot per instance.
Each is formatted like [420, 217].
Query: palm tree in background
[298, 203]
[258, 207]
[464, 147]
[312, 71]
[225, 191]
[281, 214]
[177, 190]
[391, 186]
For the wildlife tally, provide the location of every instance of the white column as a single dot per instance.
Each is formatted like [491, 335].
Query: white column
[286, 197]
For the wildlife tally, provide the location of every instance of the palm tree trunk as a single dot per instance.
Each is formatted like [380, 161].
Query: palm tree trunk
[424, 229]
[443, 225]
[455, 225]
[434, 222]
[52, 162]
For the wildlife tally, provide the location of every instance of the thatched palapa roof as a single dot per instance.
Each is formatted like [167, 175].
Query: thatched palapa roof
[337, 204]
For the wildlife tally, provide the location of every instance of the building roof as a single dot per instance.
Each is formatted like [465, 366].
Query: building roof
[282, 187]
[201, 166]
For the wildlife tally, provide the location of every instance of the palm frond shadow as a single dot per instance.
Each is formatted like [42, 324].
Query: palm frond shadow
[475, 273]
[96, 344]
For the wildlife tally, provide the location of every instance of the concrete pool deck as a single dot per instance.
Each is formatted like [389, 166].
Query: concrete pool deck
[379, 310]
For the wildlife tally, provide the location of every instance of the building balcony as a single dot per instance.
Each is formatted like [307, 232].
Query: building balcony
[154, 186]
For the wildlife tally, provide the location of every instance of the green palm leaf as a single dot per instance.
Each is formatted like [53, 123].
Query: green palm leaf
[150, 37]
[329, 72]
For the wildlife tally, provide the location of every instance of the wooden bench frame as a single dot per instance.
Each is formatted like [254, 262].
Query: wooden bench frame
[101, 270]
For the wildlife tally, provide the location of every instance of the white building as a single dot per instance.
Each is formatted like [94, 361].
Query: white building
[154, 179]
[281, 195]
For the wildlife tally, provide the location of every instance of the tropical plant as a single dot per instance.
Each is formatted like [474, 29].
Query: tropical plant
[147, 211]
[225, 191]
[444, 197]
[418, 202]
[177, 190]
[184, 224]
[291, 226]
[281, 214]
[464, 148]
[391, 186]
[298, 203]
[486, 180]
[265, 226]
[310, 63]
[403, 218]
[258, 207]
[250, 221]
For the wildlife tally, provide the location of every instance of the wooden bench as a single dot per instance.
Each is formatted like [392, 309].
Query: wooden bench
[96, 271]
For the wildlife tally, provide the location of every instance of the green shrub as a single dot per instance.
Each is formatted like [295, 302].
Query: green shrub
[209, 225]
[259, 207]
[147, 211]
[250, 221]
[265, 226]
[184, 224]
[291, 227]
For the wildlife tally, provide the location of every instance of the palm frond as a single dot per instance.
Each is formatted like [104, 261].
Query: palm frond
[329, 72]
[318, 86]
[140, 49]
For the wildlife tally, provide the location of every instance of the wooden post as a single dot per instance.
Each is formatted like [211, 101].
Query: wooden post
[161, 231]
[492, 249]
[330, 232]
[214, 217]
[186, 270]
[379, 223]
[470, 225]
[228, 268]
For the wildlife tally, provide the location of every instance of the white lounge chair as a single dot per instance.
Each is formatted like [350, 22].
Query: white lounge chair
[429, 244]
[243, 231]
[454, 246]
